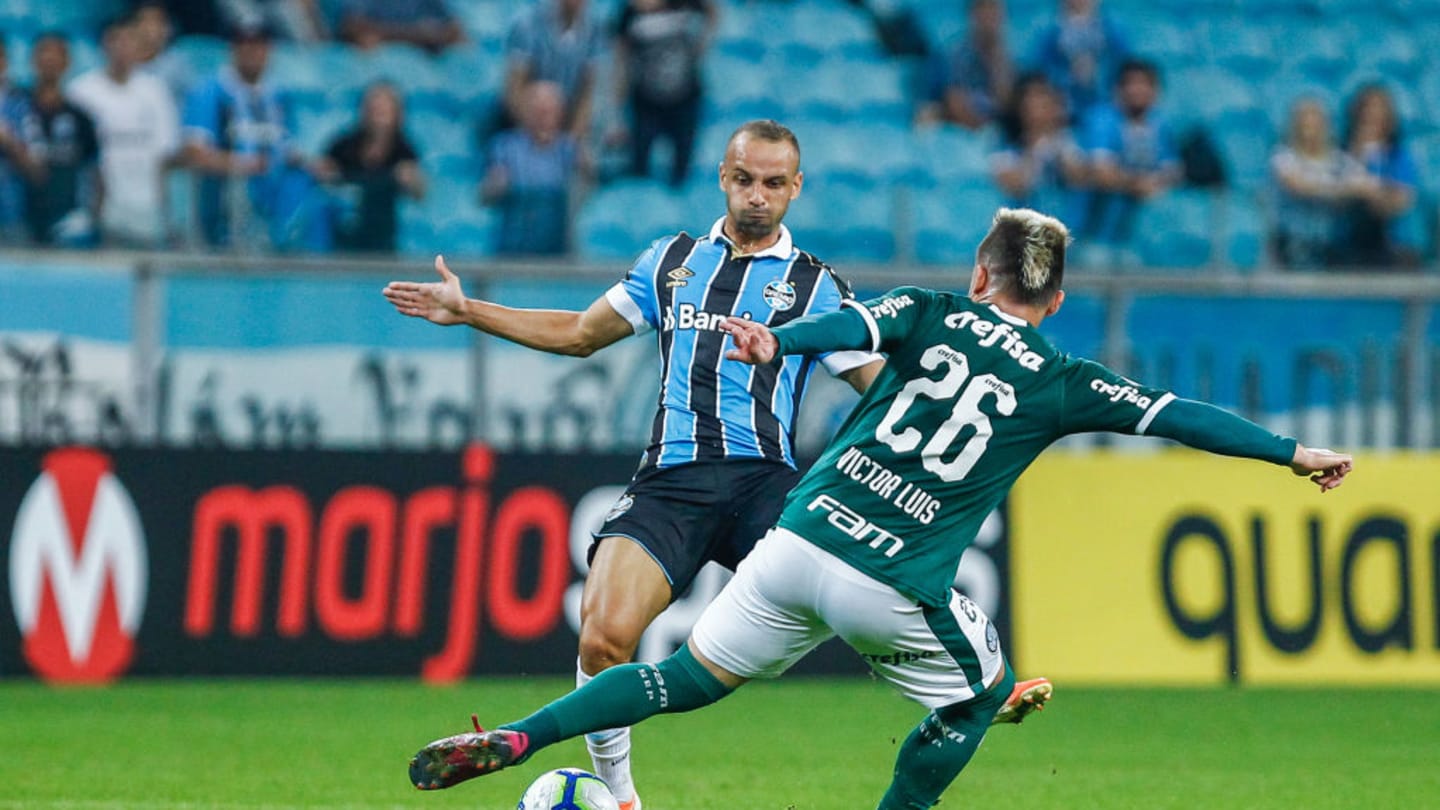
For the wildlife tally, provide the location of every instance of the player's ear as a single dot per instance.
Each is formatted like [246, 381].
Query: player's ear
[1055, 303]
[720, 167]
[799, 181]
[979, 279]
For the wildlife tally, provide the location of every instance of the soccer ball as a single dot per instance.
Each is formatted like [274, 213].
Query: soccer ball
[568, 789]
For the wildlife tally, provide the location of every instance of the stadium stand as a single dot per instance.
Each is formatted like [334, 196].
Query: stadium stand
[879, 189]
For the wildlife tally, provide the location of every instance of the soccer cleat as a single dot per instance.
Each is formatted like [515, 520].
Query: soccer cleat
[452, 760]
[1027, 696]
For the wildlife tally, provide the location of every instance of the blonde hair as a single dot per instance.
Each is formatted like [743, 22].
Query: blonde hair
[1025, 253]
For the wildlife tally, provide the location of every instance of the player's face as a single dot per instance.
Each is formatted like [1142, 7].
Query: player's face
[759, 178]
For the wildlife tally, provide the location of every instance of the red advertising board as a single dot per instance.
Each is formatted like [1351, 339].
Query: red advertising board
[134, 562]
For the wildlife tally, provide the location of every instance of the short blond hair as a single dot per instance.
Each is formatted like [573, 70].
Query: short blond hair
[1025, 254]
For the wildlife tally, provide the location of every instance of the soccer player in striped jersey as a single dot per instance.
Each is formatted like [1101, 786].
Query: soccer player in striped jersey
[721, 454]
[868, 543]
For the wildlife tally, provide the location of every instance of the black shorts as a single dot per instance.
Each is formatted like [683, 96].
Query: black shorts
[695, 513]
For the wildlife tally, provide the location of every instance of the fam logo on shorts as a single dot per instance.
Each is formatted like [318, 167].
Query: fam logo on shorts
[780, 295]
[78, 569]
[621, 507]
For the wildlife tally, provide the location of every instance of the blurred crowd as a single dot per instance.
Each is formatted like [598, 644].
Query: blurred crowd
[1074, 113]
[1080, 136]
[84, 159]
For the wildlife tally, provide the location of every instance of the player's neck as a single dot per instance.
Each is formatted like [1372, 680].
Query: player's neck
[1032, 315]
[745, 247]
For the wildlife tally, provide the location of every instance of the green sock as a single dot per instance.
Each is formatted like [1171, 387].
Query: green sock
[623, 696]
[940, 747]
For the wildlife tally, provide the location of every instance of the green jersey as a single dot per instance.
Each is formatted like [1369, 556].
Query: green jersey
[969, 396]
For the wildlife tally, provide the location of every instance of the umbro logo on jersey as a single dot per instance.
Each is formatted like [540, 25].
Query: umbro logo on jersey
[679, 277]
[780, 295]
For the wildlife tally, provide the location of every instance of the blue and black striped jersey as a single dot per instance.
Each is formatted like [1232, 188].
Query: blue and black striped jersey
[710, 407]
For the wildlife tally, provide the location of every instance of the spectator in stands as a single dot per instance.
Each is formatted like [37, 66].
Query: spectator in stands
[970, 83]
[1130, 152]
[153, 33]
[1040, 163]
[1314, 181]
[15, 161]
[555, 41]
[139, 133]
[427, 24]
[376, 164]
[1378, 226]
[658, 47]
[531, 174]
[237, 141]
[61, 203]
[1080, 54]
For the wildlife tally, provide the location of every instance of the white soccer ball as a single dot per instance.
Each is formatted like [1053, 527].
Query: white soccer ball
[568, 789]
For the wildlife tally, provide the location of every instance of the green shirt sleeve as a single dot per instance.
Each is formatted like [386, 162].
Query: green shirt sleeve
[1216, 430]
[1096, 398]
[819, 334]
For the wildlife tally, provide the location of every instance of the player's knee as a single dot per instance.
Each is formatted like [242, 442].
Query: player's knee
[604, 645]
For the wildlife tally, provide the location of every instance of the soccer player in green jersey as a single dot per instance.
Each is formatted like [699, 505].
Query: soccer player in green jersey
[869, 541]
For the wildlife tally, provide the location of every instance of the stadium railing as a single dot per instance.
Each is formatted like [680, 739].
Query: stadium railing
[149, 348]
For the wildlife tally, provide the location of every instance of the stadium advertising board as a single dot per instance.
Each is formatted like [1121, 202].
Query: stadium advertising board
[209, 562]
[1185, 568]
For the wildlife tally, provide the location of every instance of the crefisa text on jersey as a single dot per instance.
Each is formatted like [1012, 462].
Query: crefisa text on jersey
[1128, 393]
[991, 333]
[910, 499]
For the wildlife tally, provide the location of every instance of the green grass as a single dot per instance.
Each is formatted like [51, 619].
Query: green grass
[802, 744]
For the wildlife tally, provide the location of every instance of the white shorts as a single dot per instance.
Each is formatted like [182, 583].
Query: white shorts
[789, 595]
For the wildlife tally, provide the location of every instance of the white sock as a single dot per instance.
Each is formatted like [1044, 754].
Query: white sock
[610, 752]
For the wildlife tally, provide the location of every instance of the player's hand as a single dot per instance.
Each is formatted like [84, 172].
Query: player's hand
[1326, 468]
[754, 342]
[441, 302]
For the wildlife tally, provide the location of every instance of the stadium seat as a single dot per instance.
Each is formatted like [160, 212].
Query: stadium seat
[620, 220]
[1164, 39]
[1325, 53]
[1245, 50]
[315, 128]
[1246, 140]
[952, 155]
[471, 237]
[203, 55]
[846, 224]
[436, 133]
[1208, 92]
[1245, 225]
[950, 222]
[825, 27]
[1176, 231]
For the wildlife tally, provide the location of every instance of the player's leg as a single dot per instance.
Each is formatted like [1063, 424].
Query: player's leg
[646, 553]
[624, 591]
[619, 696]
[744, 633]
[947, 658]
[940, 747]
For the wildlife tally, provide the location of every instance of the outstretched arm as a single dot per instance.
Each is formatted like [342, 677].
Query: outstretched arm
[1206, 427]
[549, 330]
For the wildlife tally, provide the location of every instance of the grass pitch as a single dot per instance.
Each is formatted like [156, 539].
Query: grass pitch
[794, 744]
